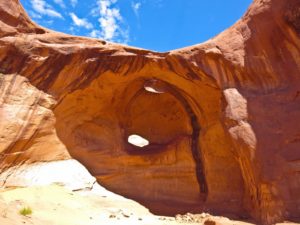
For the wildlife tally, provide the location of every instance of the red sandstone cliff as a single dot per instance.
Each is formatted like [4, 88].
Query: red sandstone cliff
[224, 134]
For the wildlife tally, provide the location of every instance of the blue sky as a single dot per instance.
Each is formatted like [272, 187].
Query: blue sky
[159, 25]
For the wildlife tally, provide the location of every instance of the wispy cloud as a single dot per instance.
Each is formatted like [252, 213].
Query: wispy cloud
[81, 22]
[49, 22]
[74, 2]
[43, 8]
[110, 20]
[136, 7]
[95, 34]
[34, 15]
[60, 3]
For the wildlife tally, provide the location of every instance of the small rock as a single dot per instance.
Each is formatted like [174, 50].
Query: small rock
[210, 222]
[213, 51]
[112, 216]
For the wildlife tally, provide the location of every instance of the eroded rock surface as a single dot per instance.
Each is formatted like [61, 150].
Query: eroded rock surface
[221, 118]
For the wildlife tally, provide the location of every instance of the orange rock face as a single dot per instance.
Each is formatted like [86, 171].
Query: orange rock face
[221, 118]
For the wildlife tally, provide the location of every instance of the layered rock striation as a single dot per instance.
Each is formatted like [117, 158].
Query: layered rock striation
[221, 117]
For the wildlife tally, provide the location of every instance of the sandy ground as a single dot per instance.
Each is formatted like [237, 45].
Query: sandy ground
[65, 193]
[55, 205]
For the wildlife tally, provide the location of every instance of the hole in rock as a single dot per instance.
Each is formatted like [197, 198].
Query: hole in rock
[151, 86]
[138, 141]
[152, 90]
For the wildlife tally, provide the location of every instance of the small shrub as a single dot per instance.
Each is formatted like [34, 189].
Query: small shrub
[25, 211]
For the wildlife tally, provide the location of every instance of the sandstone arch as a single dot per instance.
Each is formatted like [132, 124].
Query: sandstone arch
[171, 156]
[242, 85]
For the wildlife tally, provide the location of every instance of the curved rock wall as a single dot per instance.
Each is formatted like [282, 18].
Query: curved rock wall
[27, 124]
[223, 129]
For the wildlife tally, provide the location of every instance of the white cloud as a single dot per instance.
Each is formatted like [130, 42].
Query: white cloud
[49, 22]
[35, 15]
[74, 2]
[81, 22]
[60, 3]
[72, 30]
[110, 20]
[95, 34]
[136, 7]
[43, 8]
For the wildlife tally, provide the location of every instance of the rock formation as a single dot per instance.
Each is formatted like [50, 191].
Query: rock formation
[222, 118]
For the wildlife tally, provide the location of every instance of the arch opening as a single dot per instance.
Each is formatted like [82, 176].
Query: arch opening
[152, 88]
[137, 140]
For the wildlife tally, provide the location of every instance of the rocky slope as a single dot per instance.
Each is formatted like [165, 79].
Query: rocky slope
[222, 117]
